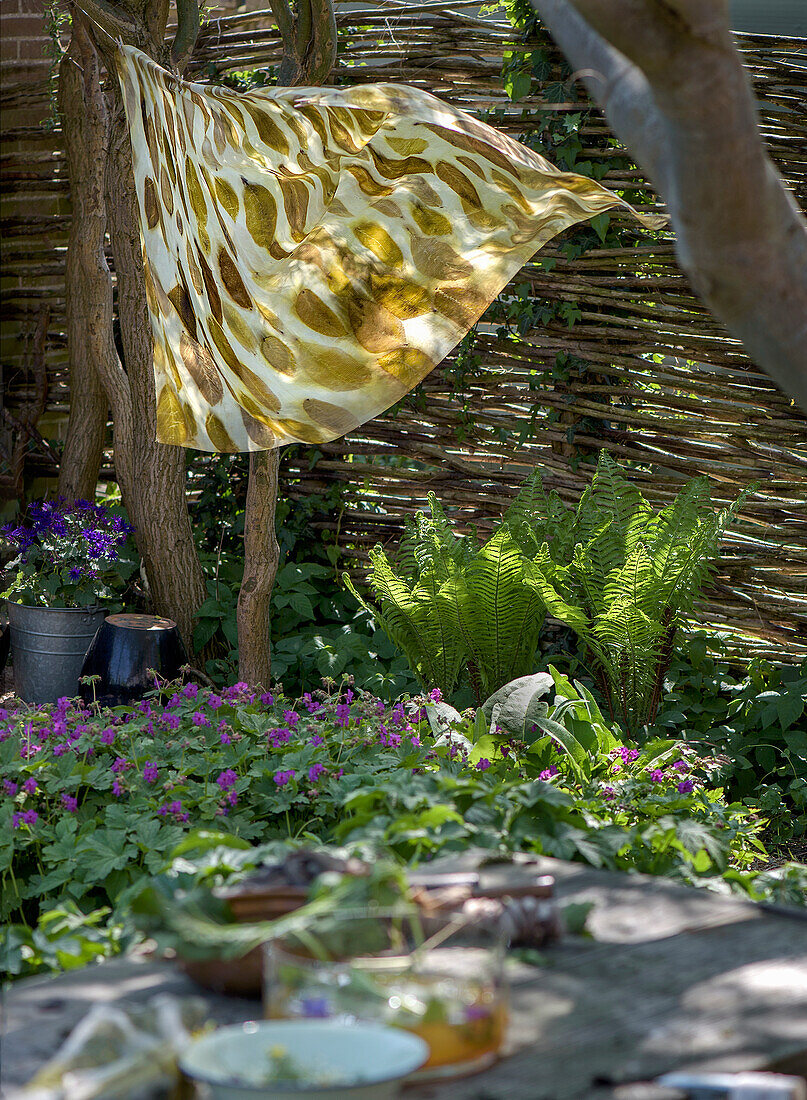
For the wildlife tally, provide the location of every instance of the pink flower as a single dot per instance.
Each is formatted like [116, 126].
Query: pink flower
[435, 695]
[547, 773]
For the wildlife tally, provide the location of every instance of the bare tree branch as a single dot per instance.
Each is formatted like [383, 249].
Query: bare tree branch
[672, 84]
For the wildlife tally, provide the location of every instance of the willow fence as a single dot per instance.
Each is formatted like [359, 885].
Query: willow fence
[625, 357]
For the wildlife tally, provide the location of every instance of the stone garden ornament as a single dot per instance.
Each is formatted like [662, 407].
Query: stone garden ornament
[311, 254]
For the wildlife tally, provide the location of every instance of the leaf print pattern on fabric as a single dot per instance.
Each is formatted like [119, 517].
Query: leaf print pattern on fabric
[311, 254]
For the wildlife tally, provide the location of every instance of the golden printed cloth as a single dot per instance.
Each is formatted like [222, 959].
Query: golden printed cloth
[311, 254]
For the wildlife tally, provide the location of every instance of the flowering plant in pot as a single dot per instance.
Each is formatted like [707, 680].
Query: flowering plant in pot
[70, 556]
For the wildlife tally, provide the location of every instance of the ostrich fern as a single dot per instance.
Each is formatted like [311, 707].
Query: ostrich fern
[622, 576]
[453, 604]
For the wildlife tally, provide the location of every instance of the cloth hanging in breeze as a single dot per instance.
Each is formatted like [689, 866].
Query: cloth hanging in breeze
[310, 254]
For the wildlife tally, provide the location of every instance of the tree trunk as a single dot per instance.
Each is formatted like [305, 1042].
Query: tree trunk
[261, 556]
[152, 475]
[86, 274]
[309, 53]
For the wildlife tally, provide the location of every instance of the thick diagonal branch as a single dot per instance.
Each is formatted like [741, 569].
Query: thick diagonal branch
[673, 87]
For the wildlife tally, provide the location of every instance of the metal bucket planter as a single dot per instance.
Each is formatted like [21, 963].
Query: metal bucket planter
[48, 645]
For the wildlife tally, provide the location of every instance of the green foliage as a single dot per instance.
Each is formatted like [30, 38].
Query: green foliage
[454, 604]
[621, 576]
[96, 801]
[318, 629]
[754, 726]
[69, 555]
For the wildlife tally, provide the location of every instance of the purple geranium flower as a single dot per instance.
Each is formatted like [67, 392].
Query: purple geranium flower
[315, 771]
[282, 778]
[686, 786]
[227, 779]
[483, 764]
[70, 803]
[151, 772]
[26, 817]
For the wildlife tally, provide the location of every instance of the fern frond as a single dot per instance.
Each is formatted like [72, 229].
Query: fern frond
[535, 517]
[497, 614]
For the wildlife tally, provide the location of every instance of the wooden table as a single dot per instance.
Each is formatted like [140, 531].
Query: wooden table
[674, 978]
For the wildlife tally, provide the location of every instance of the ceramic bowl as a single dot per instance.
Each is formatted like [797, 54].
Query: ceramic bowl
[361, 1061]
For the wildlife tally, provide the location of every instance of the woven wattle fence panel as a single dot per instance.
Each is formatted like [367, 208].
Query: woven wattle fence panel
[644, 371]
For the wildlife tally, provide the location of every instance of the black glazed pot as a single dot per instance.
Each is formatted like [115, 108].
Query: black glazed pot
[121, 654]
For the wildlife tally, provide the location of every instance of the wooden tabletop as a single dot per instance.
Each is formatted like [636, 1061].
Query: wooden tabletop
[672, 978]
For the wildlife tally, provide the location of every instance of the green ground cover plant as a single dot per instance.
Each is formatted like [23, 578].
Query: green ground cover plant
[750, 725]
[93, 801]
